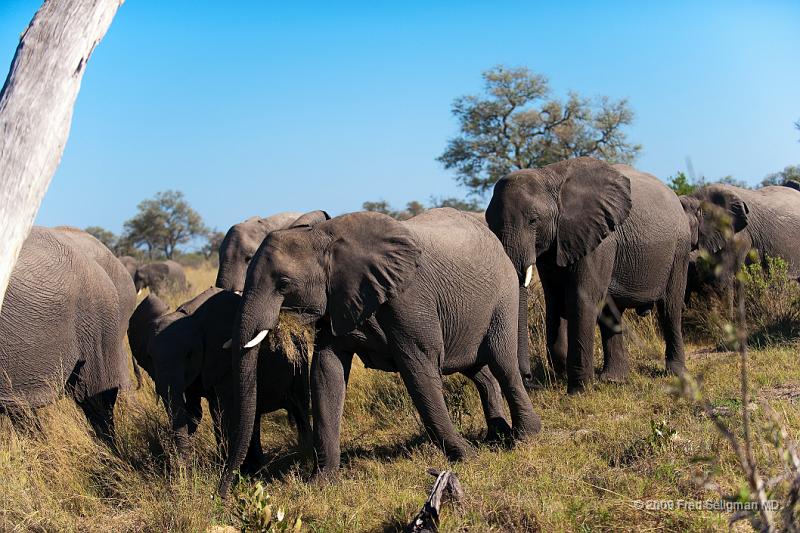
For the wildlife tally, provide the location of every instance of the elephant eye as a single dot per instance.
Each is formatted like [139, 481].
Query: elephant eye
[248, 258]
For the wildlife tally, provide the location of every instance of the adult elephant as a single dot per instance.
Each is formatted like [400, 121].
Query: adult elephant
[186, 355]
[130, 263]
[160, 276]
[767, 220]
[62, 326]
[429, 296]
[240, 245]
[603, 237]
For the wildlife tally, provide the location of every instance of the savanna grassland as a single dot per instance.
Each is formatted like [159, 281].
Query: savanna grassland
[598, 453]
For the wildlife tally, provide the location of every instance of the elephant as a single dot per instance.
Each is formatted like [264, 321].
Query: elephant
[160, 276]
[184, 352]
[240, 244]
[62, 326]
[767, 220]
[130, 263]
[603, 238]
[428, 296]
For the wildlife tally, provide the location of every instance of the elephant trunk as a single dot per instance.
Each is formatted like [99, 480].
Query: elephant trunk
[523, 354]
[230, 277]
[258, 314]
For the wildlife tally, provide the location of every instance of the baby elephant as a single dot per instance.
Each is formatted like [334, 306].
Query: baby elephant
[159, 277]
[185, 354]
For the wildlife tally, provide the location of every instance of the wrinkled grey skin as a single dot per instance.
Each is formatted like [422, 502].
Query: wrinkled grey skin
[767, 220]
[62, 326]
[240, 245]
[160, 276]
[604, 238]
[428, 296]
[183, 352]
[130, 263]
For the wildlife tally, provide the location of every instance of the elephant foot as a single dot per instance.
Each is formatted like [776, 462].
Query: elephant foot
[531, 384]
[530, 429]
[253, 463]
[460, 453]
[577, 388]
[614, 376]
[325, 476]
[498, 432]
[676, 368]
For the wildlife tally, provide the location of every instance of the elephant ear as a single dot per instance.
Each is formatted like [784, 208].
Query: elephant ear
[370, 259]
[724, 213]
[595, 198]
[694, 213]
[310, 219]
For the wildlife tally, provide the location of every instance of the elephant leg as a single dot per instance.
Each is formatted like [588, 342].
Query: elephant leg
[329, 374]
[194, 410]
[497, 427]
[217, 421]
[588, 284]
[255, 459]
[670, 310]
[423, 380]
[179, 418]
[616, 365]
[555, 326]
[298, 409]
[501, 347]
[99, 410]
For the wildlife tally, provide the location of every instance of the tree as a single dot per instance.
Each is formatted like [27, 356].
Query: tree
[213, 242]
[730, 180]
[457, 203]
[413, 208]
[792, 172]
[36, 104]
[163, 223]
[516, 124]
[103, 235]
[681, 184]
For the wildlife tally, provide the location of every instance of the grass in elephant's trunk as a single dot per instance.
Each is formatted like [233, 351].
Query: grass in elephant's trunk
[293, 338]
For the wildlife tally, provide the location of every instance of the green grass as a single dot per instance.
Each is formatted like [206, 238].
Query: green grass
[596, 455]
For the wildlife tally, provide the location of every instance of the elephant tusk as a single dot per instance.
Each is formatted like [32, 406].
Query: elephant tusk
[257, 339]
[238, 292]
[227, 344]
[528, 276]
[139, 292]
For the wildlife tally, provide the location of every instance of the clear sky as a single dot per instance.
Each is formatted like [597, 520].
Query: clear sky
[253, 107]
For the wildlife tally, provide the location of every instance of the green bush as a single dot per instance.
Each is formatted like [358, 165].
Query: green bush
[772, 308]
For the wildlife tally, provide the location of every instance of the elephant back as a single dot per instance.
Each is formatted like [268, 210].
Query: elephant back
[59, 324]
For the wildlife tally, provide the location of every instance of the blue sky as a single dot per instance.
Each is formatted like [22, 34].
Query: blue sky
[254, 107]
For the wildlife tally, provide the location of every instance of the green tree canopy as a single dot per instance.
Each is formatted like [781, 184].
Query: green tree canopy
[163, 223]
[517, 124]
[681, 185]
[213, 242]
[414, 208]
[792, 172]
[103, 235]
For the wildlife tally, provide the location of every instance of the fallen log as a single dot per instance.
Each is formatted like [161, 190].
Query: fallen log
[446, 487]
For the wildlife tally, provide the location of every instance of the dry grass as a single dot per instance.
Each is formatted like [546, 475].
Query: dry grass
[597, 454]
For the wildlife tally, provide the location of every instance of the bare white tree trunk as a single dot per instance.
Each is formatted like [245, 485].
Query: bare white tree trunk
[36, 110]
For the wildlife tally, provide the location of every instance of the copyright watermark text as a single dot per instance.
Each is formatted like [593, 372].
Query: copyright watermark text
[703, 505]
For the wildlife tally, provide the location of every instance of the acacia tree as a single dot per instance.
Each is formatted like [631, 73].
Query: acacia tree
[103, 235]
[36, 104]
[163, 223]
[517, 124]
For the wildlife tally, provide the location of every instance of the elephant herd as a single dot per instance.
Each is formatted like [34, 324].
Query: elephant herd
[440, 293]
